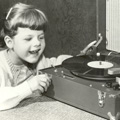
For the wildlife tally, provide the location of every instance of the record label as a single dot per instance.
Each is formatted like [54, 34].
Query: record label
[100, 64]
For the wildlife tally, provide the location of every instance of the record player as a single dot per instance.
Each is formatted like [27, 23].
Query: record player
[90, 82]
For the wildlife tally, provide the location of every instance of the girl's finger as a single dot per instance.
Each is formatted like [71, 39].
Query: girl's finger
[41, 89]
[44, 85]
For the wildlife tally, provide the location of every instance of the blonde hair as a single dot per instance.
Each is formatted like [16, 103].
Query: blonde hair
[25, 16]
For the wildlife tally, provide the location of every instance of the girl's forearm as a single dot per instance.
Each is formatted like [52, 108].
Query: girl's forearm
[11, 96]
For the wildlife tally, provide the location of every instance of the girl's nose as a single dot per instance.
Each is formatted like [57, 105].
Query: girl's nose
[36, 42]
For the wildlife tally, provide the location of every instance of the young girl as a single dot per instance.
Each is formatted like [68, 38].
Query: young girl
[24, 39]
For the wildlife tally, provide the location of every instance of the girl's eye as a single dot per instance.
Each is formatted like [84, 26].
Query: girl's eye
[28, 39]
[41, 37]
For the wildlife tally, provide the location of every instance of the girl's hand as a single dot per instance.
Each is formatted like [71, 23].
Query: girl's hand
[40, 82]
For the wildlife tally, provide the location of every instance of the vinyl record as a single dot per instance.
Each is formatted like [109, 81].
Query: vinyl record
[93, 67]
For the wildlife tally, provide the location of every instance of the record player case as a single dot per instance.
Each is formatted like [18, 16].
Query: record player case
[88, 95]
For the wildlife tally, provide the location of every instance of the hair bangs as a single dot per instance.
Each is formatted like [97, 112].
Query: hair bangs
[33, 20]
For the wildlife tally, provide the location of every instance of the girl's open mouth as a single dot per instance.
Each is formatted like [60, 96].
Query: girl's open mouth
[34, 51]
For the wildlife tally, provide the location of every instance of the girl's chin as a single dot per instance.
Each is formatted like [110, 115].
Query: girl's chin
[32, 61]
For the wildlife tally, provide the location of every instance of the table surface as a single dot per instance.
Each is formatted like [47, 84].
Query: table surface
[44, 108]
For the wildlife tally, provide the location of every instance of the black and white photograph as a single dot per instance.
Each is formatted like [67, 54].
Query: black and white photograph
[59, 60]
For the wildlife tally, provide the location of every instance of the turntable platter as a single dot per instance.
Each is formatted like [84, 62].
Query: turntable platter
[89, 66]
[100, 64]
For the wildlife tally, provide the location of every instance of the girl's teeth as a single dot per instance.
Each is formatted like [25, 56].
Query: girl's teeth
[34, 51]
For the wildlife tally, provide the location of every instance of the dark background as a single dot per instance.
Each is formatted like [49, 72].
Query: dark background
[72, 23]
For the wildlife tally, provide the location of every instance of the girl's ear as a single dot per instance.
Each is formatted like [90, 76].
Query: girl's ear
[9, 42]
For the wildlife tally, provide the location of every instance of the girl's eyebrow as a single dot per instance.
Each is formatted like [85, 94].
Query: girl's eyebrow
[38, 34]
[41, 34]
[27, 36]
[30, 35]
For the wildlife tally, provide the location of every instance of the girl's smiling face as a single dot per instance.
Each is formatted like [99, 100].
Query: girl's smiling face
[28, 45]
